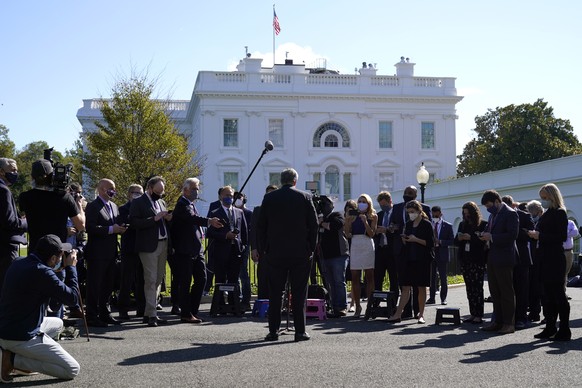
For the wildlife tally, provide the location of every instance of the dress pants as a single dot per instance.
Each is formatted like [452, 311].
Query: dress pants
[297, 270]
[535, 286]
[131, 278]
[262, 279]
[384, 261]
[473, 274]
[521, 287]
[188, 268]
[227, 267]
[100, 280]
[154, 268]
[8, 253]
[42, 353]
[441, 268]
[500, 280]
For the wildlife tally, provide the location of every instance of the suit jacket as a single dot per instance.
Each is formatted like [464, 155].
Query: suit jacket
[127, 238]
[446, 237]
[253, 229]
[100, 244]
[288, 225]
[397, 218]
[186, 229]
[504, 227]
[523, 240]
[12, 227]
[378, 237]
[222, 246]
[141, 217]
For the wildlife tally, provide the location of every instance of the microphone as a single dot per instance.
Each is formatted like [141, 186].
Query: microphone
[269, 145]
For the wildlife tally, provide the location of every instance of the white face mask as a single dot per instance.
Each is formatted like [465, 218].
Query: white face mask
[362, 206]
[436, 220]
[412, 216]
[238, 202]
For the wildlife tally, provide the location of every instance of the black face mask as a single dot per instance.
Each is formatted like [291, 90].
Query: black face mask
[407, 198]
[155, 196]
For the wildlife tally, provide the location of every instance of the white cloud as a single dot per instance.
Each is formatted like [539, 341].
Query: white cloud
[299, 55]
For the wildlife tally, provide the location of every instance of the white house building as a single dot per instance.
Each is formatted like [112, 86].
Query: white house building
[352, 134]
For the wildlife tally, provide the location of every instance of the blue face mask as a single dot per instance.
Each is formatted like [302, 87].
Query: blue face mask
[493, 209]
[546, 203]
[11, 177]
[227, 201]
[386, 208]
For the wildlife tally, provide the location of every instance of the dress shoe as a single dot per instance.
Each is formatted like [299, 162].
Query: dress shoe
[548, 332]
[477, 321]
[76, 313]
[492, 327]
[506, 329]
[394, 320]
[563, 335]
[145, 319]
[190, 319]
[469, 320]
[110, 320]
[96, 322]
[302, 337]
[176, 310]
[139, 314]
[272, 337]
[430, 301]
[7, 366]
[533, 317]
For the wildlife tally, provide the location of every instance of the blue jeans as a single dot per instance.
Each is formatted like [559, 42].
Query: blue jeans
[335, 275]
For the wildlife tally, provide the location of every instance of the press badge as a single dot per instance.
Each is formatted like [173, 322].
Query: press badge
[467, 247]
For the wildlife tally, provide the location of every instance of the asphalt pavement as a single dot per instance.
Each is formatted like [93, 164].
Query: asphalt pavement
[345, 352]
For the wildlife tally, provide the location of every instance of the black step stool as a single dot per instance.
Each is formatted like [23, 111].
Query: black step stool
[220, 303]
[449, 315]
[375, 309]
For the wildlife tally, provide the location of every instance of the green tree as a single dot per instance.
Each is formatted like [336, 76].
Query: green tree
[7, 147]
[516, 135]
[137, 139]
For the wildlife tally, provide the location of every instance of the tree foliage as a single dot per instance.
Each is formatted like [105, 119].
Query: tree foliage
[516, 135]
[7, 146]
[137, 139]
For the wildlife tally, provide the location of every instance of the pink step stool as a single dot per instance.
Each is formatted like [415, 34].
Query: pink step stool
[316, 309]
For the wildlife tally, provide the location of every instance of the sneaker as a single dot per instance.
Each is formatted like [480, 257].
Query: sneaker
[430, 301]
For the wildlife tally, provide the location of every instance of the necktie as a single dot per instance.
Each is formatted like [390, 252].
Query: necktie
[161, 227]
[385, 219]
[436, 234]
[231, 219]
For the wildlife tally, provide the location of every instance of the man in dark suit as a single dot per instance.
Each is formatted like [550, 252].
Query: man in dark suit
[149, 216]
[210, 267]
[131, 268]
[398, 219]
[229, 240]
[524, 262]
[256, 252]
[444, 237]
[240, 201]
[287, 234]
[101, 253]
[385, 260]
[188, 252]
[12, 227]
[501, 234]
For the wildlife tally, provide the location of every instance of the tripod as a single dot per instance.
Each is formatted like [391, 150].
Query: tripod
[287, 297]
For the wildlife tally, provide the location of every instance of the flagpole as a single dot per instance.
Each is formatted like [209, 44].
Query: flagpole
[273, 39]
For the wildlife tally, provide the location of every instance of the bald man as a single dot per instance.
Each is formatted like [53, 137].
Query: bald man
[101, 252]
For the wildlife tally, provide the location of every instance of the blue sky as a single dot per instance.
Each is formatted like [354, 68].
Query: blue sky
[54, 54]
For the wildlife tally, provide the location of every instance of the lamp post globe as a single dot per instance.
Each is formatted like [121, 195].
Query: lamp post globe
[422, 177]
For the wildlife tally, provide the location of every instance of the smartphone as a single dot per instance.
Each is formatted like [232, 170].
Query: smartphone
[353, 212]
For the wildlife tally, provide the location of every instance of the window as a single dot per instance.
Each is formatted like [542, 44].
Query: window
[317, 178]
[332, 181]
[339, 130]
[230, 132]
[275, 178]
[276, 132]
[231, 179]
[385, 134]
[386, 181]
[331, 141]
[347, 186]
[427, 136]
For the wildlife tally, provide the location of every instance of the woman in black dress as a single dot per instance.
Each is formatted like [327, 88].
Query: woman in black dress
[473, 255]
[414, 270]
[551, 232]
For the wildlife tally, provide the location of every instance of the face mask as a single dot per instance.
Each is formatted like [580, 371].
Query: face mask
[436, 220]
[535, 219]
[386, 208]
[492, 209]
[407, 198]
[58, 265]
[155, 196]
[238, 202]
[362, 207]
[11, 177]
[136, 195]
[227, 201]
[412, 216]
[111, 193]
[546, 203]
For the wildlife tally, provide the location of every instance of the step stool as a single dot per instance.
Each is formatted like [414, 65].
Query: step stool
[316, 309]
[374, 308]
[449, 315]
[220, 305]
[261, 308]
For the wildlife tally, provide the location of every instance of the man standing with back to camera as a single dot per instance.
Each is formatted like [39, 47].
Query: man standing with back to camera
[287, 232]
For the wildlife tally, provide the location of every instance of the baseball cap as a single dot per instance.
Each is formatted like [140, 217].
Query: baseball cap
[41, 168]
[49, 245]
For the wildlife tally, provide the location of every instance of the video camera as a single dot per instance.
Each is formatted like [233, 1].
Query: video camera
[315, 198]
[62, 172]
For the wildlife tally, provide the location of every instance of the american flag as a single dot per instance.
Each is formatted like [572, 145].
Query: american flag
[276, 25]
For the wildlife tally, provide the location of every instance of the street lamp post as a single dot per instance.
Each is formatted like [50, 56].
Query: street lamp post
[422, 177]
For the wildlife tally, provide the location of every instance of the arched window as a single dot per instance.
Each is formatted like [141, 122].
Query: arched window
[336, 130]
